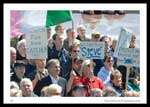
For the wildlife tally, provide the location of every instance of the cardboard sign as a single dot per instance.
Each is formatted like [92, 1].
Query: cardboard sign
[37, 44]
[123, 40]
[92, 50]
[129, 57]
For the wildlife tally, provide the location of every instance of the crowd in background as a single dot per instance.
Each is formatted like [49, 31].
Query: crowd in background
[65, 73]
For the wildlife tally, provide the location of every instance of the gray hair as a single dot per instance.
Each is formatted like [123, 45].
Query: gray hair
[81, 27]
[21, 43]
[108, 92]
[25, 80]
[52, 62]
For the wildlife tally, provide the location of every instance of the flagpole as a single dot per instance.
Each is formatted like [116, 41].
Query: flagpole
[72, 33]
[72, 19]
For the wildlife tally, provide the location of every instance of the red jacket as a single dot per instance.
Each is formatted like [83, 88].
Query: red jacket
[96, 83]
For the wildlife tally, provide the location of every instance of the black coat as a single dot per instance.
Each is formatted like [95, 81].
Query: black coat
[46, 82]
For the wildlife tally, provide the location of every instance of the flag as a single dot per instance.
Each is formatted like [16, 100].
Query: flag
[27, 20]
[56, 17]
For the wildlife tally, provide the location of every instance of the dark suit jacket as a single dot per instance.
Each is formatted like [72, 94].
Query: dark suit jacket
[46, 82]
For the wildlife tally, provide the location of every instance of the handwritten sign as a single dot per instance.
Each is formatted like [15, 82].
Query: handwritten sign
[92, 50]
[37, 44]
[124, 40]
[129, 57]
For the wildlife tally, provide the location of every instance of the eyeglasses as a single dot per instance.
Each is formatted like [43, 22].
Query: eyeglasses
[76, 51]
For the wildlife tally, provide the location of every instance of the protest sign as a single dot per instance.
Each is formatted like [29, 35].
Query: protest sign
[123, 40]
[129, 57]
[37, 44]
[92, 50]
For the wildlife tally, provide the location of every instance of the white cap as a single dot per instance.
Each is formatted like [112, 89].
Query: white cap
[85, 62]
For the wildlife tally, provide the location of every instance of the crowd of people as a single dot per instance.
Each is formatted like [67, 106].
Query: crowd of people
[65, 74]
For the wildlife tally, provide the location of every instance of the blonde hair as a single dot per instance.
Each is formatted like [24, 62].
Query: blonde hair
[75, 44]
[115, 74]
[13, 84]
[14, 92]
[53, 90]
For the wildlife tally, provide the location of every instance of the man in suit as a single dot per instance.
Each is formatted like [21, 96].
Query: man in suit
[53, 66]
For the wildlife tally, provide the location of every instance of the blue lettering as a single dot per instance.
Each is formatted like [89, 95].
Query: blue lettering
[83, 51]
[91, 52]
[98, 51]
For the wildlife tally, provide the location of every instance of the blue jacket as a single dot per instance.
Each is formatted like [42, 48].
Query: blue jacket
[64, 59]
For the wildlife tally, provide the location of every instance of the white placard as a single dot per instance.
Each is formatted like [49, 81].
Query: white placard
[92, 50]
[37, 44]
[129, 57]
[123, 40]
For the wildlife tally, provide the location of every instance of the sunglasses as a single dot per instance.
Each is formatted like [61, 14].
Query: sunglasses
[76, 51]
